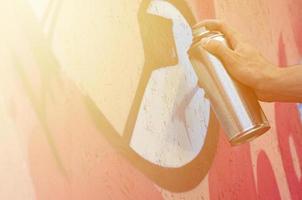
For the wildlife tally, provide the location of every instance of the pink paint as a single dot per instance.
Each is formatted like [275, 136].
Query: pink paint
[231, 175]
[94, 169]
[289, 125]
[266, 180]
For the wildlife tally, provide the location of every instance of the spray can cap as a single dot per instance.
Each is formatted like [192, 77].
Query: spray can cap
[199, 30]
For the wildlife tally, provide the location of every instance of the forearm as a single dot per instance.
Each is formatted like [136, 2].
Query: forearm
[286, 85]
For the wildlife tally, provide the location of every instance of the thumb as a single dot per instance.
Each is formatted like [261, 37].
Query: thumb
[220, 50]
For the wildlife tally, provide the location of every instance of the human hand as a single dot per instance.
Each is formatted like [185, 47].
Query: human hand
[242, 61]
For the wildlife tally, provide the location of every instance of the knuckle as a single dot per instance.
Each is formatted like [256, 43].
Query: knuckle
[223, 25]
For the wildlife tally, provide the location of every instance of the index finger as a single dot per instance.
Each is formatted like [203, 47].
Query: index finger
[217, 25]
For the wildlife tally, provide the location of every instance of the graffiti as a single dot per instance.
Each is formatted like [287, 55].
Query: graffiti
[158, 137]
[109, 105]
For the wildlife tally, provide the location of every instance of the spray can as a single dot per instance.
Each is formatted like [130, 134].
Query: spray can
[235, 105]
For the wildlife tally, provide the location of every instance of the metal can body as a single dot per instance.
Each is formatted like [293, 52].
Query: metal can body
[235, 105]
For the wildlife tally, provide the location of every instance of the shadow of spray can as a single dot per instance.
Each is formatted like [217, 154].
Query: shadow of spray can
[235, 105]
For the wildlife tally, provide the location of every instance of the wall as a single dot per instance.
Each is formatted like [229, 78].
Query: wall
[100, 101]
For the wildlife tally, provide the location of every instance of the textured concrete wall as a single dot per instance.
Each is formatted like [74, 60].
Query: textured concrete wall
[99, 101]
